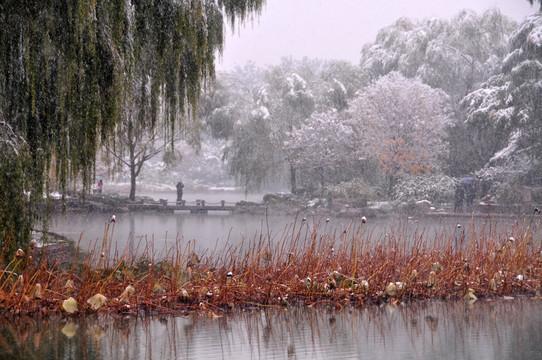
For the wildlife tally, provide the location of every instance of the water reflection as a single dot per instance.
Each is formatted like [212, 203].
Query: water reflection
[434, 330]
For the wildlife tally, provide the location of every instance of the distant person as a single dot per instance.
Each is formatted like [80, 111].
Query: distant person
[459, 194]
[180, 186]
[100, 186]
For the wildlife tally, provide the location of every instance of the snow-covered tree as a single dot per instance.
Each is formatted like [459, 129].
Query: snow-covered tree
[533, 1]
[401, 122]
[502, 179]
[226, 101]
[455, 55]
[284, 97]
[467, 53]
[335, 84]
[253, 156]
[250, 75]
[135, 145]
[508, 108]
[322, 150]
[399, 47]
[279, 105]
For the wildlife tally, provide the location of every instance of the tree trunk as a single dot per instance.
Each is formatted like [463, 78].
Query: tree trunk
[322, 178]
[293, 182]
[391, 184]
[132, 181]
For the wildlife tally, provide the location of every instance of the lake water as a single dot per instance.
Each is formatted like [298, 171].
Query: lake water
[427, 330]
[499, 329]
[218, 230]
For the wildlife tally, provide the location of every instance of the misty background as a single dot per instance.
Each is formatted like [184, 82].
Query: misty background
[296, 107]
[336, 30]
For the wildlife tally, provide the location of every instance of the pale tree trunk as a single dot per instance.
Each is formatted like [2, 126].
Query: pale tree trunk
[322, 178]
[293, 182]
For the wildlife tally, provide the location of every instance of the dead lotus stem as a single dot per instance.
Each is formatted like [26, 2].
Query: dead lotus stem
[265, 272]
[377, 271]
[8, 272]
[76, 251]
[106, 280]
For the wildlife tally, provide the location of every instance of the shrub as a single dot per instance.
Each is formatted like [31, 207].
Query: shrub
[353, 189]
[436, 188]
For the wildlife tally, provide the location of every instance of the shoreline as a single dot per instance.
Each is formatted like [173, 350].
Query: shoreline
[115, 203]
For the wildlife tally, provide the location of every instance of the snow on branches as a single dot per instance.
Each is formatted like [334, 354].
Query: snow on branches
[401, 123]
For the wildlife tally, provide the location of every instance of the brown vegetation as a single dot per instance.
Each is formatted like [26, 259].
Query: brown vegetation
[305, 267]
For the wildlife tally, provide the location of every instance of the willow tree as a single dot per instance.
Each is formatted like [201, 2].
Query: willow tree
[280, 104]
[67, 68]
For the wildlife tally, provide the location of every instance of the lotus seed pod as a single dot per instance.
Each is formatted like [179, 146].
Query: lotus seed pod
[391, 289]
[96, 332]
[184, 294]
[436, 267]
[469, 296]
[124, 298]
[37, 291]
[158, 288]
[432, 322]
[97, 301]
[69, 285]
[69, 305]
[19, 284]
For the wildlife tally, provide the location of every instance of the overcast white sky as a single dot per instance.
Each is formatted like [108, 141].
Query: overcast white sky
[336, 29]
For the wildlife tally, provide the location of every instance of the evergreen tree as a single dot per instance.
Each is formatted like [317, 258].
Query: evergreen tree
[534, 1]
[508, 107]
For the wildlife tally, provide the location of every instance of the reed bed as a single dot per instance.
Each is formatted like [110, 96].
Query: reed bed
[304, 267]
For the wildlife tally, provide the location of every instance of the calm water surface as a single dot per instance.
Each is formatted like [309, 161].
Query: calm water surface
[435, 330]
[218, 230]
